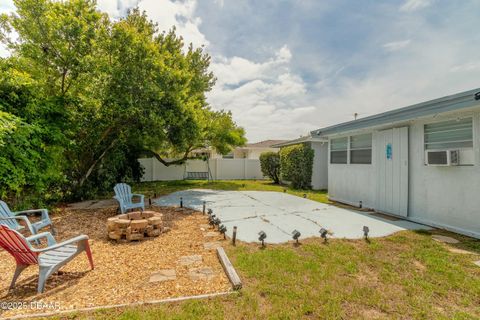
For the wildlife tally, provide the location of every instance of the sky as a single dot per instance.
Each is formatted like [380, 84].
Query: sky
[285, 68]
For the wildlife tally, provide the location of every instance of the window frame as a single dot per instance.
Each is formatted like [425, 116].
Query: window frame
[370, 148]
[339, 150]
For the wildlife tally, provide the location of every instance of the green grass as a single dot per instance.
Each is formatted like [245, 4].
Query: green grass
[166, 187]
[403, 276]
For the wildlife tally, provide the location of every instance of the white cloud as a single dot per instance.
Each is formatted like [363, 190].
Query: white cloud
[166, 13]
[233, 71]
[412, 5]
[180, 14]
[221, 3]
[270, 99]
[396, 45]
[3, 51]
[265, 97]
[466, 67]
[6, 6]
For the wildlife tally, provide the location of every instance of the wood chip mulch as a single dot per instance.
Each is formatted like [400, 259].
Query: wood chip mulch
[122, 270]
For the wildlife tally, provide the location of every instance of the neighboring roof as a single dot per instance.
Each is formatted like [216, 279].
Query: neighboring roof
[454, 102]
[264, 144]
[297, 141]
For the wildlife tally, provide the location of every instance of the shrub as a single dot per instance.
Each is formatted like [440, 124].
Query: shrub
[296, 165]
[270, 165]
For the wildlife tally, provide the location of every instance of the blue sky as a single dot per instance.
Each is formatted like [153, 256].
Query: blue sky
[287, 67]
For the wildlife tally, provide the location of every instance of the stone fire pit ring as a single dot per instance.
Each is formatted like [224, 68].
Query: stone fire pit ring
[136, 225]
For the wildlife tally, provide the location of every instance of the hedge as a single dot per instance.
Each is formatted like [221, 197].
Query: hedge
[296, 164]
[270, 165]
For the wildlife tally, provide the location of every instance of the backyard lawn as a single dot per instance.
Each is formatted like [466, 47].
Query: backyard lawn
[404, 276]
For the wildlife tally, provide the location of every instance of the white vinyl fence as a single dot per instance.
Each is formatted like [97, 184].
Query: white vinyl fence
[220, 169]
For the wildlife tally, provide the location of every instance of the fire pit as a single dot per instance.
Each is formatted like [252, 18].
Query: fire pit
[135, 225]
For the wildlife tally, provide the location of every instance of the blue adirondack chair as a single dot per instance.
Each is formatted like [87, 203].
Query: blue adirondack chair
[49, 259]
[124, 196]
[10, 219]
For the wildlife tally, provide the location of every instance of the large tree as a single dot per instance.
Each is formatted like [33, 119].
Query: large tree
[104, 92]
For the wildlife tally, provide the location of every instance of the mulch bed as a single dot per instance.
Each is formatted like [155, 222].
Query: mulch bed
[122, 270]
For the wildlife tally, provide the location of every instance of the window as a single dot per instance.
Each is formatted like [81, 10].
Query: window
[361, 149]
[338, 150]
[453, 134]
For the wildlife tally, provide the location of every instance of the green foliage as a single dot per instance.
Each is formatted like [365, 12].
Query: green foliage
[83, 96]
[270, 165]
[296, 164]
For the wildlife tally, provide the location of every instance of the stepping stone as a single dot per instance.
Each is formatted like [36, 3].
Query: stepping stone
[204, 273]
[212, 245]
[477, 263]
[461, 251]
[163, 275]
[444, 239]
[211, 234]
[188, 260]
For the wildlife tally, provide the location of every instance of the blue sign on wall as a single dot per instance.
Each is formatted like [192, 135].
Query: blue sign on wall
[388, 151]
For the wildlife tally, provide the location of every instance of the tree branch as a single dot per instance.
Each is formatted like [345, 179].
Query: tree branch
[173, 162]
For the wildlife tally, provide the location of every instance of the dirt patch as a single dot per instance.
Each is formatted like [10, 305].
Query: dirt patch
[122, 270]
[419, 266]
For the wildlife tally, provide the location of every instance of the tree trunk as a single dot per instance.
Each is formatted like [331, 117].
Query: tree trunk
[94, 164]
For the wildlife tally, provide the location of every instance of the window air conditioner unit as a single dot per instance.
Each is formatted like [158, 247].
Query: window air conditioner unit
[443, 157]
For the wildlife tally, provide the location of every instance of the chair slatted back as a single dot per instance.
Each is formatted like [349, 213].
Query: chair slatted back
[124, 192]
[6, 213]
[16, 244]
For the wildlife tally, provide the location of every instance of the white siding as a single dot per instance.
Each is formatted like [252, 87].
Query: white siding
[320, 165]
[447, 197]
[353, 183]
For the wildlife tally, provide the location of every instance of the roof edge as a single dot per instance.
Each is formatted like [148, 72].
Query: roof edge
[456, 101]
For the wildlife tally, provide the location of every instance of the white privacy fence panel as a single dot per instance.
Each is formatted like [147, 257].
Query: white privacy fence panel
[220, 169]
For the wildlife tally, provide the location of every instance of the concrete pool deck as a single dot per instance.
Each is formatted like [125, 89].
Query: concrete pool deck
[278, 214]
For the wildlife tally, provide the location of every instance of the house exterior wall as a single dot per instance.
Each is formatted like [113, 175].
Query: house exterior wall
[446, 197]
[244, 153]
[254, 153]
[320, 165]
[352, 183]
